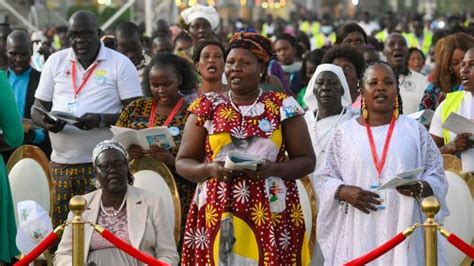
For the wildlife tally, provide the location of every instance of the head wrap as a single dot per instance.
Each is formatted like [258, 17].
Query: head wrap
[309, 97]
[259, 45]
[107, 145]
[208, 13]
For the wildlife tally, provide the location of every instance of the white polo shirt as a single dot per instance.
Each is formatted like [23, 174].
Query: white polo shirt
[412, 87]
[114, 79]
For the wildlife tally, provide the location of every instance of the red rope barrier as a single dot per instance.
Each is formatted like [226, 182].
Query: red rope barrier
[119, 243]
[379, 251]
[461, 245]
[38, 250]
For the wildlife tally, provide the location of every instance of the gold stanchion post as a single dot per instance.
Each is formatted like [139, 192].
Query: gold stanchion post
[430, 207]
[78, 205]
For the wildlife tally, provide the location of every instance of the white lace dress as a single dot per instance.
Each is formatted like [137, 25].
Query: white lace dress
[344, 237]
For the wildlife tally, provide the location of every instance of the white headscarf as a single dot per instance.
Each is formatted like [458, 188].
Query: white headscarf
[107, 145]
[309, 97]
[208, 13]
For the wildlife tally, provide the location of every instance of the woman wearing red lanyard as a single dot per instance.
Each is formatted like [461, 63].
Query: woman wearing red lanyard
[165, 78]
[353, 218]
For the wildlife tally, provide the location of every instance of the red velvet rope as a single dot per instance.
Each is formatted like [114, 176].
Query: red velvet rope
[379, 251]
[119, 243]
[38, 250]
[461, 245]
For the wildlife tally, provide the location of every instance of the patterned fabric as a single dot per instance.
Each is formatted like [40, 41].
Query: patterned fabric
[267, 218]
[433, 96]
[69, 180]
[259, 45]
[137, 115]
[117, 225]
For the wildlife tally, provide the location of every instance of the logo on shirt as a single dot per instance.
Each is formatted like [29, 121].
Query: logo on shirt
[100, 76]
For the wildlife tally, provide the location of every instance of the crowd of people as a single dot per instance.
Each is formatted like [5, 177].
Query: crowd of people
[306, 99]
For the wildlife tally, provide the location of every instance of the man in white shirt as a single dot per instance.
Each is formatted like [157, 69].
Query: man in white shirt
[411, 83]
[90, 82]
[367, 24]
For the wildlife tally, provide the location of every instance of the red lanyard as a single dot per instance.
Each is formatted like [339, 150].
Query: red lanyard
[379, 164]
[84, 79]
[173, 113]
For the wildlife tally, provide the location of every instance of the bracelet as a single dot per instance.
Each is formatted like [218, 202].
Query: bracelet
[337, 196]
[340, 201]
[420, 193]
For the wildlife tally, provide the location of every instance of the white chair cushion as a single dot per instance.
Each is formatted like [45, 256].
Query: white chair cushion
[28, 181]
[152, 181]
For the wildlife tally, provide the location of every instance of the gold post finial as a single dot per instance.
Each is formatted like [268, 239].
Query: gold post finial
[430, 207]
[78, 205]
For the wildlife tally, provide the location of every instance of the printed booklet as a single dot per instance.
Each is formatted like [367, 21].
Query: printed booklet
[238, 161]
[144, 137]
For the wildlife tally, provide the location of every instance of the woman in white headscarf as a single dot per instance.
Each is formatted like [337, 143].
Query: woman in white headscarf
[200, 21]
[328, 100]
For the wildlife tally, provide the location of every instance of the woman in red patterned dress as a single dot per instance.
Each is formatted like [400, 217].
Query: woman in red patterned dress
[245, 217]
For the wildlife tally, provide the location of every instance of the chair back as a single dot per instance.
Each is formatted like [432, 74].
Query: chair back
[308, 202]
[461, 207]
[29, 178]
[155, 176]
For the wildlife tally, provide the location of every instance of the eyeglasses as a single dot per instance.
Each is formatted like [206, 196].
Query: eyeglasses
[105, 167]
[74, 35]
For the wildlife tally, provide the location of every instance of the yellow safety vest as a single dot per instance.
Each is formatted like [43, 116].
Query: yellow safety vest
[381, 36]
[412, 41]
[305, 26]
[452, 103]
[315, 28]
[320, 39]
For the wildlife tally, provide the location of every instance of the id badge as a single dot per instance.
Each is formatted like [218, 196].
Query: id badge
[71, 106]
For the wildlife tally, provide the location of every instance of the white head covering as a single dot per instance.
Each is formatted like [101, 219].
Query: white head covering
[208, 13]
[309, 97]
[34, 224]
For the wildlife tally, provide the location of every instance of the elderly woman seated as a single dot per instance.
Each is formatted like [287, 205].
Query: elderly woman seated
[134, 215]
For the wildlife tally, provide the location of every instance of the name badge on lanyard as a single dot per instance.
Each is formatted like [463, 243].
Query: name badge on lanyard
[173, 130]
[72, 105]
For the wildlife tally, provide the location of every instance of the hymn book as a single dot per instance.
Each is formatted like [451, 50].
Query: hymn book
[143, 137]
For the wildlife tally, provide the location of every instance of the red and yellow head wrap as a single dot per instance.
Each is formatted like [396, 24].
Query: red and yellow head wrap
[259, 45]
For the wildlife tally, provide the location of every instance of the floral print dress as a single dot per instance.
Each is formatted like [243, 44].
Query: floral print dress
[267, 218]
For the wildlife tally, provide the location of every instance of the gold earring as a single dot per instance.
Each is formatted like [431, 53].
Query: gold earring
[365, 113]
[396, 111]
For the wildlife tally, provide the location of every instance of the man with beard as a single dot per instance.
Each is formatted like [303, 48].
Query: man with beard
[412, 83]
[92, 83]
[24, 80]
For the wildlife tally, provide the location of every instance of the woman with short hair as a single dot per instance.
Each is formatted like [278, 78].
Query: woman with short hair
[135, 215]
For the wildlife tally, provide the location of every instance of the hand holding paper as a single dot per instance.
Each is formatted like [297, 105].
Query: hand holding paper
[458, 124]
[238, 161]
[402, 179]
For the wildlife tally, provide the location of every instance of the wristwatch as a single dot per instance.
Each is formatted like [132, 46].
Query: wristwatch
[102, 123]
